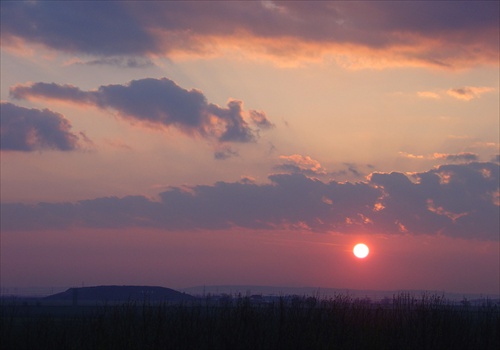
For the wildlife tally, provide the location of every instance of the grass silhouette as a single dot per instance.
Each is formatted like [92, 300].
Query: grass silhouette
[341, 322]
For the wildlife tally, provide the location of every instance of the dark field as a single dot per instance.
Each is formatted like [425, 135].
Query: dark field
[341, 322]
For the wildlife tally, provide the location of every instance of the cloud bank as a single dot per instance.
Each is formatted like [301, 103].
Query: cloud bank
[441, 34]
[453, 200]
[162, 103]
[25, 129]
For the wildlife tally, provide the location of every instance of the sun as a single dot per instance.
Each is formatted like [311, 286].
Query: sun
[361, 250]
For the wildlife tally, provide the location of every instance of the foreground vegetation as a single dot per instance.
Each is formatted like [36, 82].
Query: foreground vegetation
[405, 322]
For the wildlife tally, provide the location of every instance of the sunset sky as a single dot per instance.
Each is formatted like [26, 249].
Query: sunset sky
[194, 143]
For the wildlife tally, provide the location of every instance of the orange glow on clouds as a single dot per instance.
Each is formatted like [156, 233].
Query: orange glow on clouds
[289, 51]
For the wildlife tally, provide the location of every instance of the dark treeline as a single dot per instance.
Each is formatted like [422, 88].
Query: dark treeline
[342, 322]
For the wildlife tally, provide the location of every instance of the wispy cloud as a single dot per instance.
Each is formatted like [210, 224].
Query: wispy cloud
[298, 164]
[351, 171]
[259, 118]
[122, 62]
[450, 157]
[428, 94]
[411, 155]
[463, 156]
[29, 129]
[468, 93]
[224, 153]
[455, 200]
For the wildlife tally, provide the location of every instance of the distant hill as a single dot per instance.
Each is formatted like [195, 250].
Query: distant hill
[119, 294]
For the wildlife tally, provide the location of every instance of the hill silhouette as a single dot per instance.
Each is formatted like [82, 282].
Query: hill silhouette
[120, 294]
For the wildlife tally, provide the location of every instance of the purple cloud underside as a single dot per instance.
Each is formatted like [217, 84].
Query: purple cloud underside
[25, 129]
[453, 200]
[114, 28]
[161, 102]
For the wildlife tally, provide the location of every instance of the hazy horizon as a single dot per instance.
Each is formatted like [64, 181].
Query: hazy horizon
[250, 143]
[250, 290]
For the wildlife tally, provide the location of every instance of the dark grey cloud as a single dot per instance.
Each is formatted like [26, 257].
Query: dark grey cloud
[156, 101]
[111, 28]
[453, 200]
[236, 128]
[52, 90]
[100, 28]
[424, 18]
[25, 129]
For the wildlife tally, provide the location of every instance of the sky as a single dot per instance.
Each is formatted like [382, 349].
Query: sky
[183, 144]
